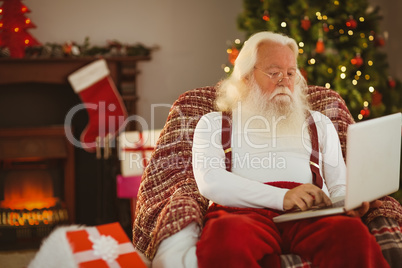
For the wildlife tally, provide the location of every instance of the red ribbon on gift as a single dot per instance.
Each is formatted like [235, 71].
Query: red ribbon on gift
[140, 148]
[103, 246]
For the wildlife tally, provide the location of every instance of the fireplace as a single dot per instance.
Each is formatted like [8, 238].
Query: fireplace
[36, 96]
[36, 184]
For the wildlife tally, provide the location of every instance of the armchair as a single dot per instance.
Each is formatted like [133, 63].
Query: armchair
[169, 200]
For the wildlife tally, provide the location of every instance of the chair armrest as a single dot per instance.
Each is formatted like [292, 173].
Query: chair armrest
[177, 212]
[390, 208]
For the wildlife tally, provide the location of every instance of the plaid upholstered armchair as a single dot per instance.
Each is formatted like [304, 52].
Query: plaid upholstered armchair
[169, 200]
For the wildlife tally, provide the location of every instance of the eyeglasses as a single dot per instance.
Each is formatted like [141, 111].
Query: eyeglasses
[277, 77]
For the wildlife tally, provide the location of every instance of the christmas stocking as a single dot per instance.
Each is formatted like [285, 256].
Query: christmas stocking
[102, 101]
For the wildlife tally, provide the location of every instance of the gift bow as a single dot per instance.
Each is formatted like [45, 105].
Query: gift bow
[104, 247]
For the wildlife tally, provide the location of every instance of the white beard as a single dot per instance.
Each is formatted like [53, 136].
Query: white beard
[281, 113]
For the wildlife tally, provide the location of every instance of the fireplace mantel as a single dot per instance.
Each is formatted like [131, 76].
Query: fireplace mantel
[123, 71]
[55, 70]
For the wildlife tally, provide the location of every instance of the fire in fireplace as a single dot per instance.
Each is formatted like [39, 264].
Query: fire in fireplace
[29, 193]
[36, 183]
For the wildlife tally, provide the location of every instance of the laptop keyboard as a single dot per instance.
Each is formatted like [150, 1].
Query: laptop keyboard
[340, 203]
[336, 204]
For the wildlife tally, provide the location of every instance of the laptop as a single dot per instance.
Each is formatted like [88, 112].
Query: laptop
[373, 159]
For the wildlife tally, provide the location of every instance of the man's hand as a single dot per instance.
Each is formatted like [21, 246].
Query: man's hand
[304, 197]
[359, 212]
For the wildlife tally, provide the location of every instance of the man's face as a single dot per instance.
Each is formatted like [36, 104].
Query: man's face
[273, 58]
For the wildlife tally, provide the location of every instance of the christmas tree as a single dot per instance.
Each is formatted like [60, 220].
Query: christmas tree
[13, 28]
[339, 48]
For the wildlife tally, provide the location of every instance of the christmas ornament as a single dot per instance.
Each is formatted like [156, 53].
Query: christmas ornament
[376, 98]
[379, 41]
[107, 113]
[357, 61]
[365, 112]
[306, 23]
[304, 73]
[71, 49]
[391, 82]
[266, 16]
[351, 23]
[320, 47]
[325, 27]
[13, 26]
[234, 52]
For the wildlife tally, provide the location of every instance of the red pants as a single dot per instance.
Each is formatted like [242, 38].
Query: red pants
[249, 238]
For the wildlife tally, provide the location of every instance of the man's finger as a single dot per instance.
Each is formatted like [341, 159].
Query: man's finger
[376, 204]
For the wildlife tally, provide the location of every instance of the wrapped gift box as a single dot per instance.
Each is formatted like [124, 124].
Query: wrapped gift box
[103, 246]
[135, 149]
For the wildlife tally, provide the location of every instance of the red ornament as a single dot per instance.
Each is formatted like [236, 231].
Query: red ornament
[376, 98]
[320, 47]
[391, 82]
[325, 27]
[304, 74]
[266, 16]
[351, 23]
[357, 61]
[14, 25]
[233, 55]
[365, 112]
[306, 23]
[379, 41]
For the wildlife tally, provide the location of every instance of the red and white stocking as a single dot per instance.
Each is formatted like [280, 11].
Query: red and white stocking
[102, 101]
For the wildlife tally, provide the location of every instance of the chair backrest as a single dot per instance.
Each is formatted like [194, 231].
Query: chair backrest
[331, 104]
[168, 198]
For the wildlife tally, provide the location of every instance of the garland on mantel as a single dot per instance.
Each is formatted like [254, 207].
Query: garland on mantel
[73, 50]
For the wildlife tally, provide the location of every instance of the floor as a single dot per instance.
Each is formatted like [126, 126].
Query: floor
[16, 259]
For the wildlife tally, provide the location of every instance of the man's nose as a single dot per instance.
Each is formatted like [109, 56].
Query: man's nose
[284, 81]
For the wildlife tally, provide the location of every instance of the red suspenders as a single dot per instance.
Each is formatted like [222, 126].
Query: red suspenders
[226, 139]
[314, 164]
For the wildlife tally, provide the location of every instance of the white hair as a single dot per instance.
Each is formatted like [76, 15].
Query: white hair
[234, 89]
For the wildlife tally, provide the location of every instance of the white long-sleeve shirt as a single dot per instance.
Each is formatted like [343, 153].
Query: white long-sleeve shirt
[258, 158]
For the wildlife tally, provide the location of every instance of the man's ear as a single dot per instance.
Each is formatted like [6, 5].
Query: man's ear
[246, 78]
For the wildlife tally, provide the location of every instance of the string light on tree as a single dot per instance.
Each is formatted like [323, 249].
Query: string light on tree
[301, 45]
